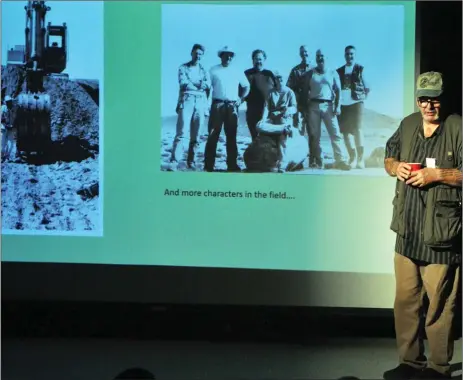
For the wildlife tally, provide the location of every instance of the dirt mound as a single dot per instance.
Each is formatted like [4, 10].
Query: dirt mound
[92, 87]
[73, 109]
[74, 113]
[12, 80]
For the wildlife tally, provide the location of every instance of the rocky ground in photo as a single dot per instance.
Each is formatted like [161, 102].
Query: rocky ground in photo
[57, 192]
[377, 129]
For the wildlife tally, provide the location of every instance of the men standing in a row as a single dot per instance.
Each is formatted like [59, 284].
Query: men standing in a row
[296, 82]
[192, 107]
[229, 89]
[322, 95]
[262, 82]
[354, 91]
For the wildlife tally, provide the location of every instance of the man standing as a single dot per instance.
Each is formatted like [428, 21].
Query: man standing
[354, 90]
[262, 82]
[427, 221]
[8, 140]
[192, 106]
[322, 92]
[295, 82]
[229, 89]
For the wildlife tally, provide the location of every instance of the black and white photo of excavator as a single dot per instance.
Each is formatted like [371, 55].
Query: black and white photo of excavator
[44, 56]
[50, 176]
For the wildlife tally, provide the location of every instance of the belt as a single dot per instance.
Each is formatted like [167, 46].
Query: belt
[193, 94]
[321, 101]
[223, 101]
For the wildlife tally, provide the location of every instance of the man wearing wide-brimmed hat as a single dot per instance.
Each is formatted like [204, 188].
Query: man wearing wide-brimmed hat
[425, 156]
[229, 89]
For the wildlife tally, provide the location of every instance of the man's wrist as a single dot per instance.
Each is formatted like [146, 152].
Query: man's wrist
[391, 167]
[394, 167]
[437, 175]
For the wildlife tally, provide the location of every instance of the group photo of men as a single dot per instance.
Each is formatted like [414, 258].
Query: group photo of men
[308, 116]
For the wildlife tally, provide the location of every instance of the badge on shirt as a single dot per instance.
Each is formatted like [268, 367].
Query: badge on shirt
[431, 163]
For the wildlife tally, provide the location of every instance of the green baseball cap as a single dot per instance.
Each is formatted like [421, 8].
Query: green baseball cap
[429, 84]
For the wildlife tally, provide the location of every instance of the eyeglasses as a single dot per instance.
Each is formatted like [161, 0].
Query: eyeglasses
[425, 102]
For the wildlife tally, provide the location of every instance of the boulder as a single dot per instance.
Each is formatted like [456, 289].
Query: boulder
[376, 158]
[262, 155]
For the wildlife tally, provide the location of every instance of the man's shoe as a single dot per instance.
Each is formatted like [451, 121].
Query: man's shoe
[234, 169]
[341, 165]
[360, 164]
[431, 374]
[402, 372]
[173, 166]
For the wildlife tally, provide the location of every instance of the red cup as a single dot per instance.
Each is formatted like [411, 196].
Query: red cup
[414, 166]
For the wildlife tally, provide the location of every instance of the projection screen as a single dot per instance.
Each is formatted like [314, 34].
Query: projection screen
[103, 214]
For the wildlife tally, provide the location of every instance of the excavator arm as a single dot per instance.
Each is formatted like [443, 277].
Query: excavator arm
[44, 55]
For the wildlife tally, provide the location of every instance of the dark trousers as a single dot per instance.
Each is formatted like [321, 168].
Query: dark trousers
[223, 114]
[350, 123]
[254, 114]
[440, 283]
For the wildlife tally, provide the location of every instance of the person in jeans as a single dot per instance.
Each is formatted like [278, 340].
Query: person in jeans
[8, 137]
[192, 107]
[229, 89]
[322, 92]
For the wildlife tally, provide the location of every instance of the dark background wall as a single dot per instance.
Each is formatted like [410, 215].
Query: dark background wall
[440, 29]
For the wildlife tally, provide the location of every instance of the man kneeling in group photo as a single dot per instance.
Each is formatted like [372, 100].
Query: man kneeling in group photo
[268, 152]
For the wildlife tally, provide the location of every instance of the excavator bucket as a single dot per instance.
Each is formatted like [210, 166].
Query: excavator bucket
[33, 123]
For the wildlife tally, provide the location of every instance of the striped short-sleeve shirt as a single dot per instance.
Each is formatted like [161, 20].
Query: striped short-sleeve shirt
[415, 201]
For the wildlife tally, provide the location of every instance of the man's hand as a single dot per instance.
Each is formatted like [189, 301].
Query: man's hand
[289, 131]
[423, 177]
[238, 103]
[337, 111]
[402, 171]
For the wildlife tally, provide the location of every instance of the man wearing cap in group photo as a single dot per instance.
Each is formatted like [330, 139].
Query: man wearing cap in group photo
[229, 89]
[8, 138]
[425, 157]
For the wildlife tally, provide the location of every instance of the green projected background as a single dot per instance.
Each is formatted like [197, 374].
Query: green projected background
[326, 223]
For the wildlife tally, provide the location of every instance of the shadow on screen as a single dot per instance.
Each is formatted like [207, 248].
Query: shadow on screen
[135, 373]
[70, 149]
